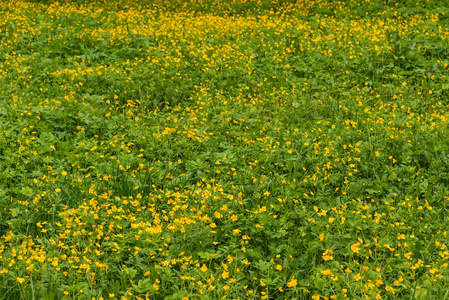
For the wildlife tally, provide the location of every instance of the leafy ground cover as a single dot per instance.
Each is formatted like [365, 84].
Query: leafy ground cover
[244, 149]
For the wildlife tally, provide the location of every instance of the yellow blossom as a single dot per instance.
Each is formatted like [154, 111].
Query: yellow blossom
[356, 247]
[203, 268]
[293, 282]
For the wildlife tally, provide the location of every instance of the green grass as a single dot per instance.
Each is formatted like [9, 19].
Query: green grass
[224, 150]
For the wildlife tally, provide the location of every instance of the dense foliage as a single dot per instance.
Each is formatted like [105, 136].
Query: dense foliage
[237, 149]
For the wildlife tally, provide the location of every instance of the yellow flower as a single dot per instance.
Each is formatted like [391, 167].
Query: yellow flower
[292, 282]
[20, 280]
[322, 236]
[204, 268]
[326, 272]
[64, 173]
[230, 259]
[357, 276]
[316, 297]
[111, 295]
[327, 255]
[156, 287]
[355, 247]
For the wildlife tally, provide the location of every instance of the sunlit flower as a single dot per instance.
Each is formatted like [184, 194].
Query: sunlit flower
[293, 282]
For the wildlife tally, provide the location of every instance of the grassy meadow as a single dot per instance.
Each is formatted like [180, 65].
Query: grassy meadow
[228, 149]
